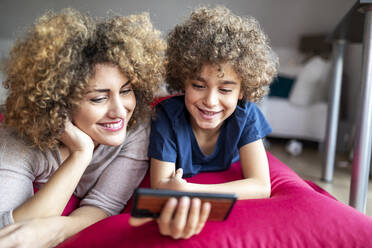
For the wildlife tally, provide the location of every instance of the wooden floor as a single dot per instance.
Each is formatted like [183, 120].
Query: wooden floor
[309, 166]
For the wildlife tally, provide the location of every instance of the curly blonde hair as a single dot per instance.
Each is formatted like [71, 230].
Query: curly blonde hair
[49, 69]
[215, 36]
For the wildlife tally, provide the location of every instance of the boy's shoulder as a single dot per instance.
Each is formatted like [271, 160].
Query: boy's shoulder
[172, 106]
[245, 107]
[169, 100]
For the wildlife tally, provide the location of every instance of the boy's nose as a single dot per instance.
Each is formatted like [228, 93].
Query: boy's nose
[211, 99]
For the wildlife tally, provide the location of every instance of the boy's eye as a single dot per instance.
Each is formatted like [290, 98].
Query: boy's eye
[225, 90]
[197, 86]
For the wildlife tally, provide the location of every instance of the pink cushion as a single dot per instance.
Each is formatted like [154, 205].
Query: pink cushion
[298, 214]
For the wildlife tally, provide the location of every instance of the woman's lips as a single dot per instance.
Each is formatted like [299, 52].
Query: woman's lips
[112, 126]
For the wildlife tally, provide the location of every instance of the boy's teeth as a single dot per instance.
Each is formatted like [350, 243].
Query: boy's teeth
[208, 112]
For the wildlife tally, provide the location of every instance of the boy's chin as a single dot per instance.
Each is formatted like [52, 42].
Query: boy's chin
[209, 126]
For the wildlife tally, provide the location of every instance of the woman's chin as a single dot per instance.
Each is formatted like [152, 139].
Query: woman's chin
[114, 141]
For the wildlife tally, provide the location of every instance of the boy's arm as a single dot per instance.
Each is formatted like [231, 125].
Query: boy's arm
[164, 176]
[256, 182]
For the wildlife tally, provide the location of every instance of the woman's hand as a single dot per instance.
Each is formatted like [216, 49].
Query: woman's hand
[41, 232]
[75, 139]
[180, 219]
[52, 198]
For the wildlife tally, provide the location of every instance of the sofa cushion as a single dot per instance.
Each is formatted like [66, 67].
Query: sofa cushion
[311, 83]
[281, 86]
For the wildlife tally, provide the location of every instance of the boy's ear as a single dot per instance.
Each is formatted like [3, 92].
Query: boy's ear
[241, 95]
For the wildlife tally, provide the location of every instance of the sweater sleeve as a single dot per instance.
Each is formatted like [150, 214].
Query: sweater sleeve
[16, 175]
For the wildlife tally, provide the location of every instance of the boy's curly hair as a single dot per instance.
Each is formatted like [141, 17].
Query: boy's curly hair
[215, 36]
[49, 69]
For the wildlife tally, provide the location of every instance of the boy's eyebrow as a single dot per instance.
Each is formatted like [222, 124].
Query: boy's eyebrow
[107, 90]
[229, 82]
[199, 78]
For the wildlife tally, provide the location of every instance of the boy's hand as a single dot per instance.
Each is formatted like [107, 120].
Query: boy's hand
[180, 219]
[175, 182]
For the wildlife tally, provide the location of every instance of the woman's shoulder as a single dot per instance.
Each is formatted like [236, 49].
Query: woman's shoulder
[137, 141]
[10, 137]
[140, 130]
[16, 148]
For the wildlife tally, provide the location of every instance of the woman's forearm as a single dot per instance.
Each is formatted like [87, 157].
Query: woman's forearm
[50, 231]
[52, 198]
[80, 219]
[63, 227]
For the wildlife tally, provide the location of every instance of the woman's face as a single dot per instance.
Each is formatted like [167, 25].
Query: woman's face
[106, 109]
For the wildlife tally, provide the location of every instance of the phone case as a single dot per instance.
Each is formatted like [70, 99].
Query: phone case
[150, 202]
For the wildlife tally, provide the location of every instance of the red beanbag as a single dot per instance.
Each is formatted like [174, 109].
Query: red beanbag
[298, 214]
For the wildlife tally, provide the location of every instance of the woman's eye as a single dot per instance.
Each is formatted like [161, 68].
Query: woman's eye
[98, 99]
[126, 91]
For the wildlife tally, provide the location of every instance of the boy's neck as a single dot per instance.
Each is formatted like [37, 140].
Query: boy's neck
[206, 138]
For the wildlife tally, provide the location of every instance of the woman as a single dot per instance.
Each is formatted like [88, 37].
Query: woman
[76, 86]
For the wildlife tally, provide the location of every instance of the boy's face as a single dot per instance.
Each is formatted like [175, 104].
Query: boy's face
[212, 96]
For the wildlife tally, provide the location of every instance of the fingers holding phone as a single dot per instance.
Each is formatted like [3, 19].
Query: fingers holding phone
[198, 216]
[183, 218]
[179, 214]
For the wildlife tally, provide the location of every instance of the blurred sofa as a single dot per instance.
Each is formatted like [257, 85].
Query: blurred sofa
[296, 106]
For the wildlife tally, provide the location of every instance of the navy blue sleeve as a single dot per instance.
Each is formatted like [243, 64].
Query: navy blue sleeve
[255, 128]
[162, 138]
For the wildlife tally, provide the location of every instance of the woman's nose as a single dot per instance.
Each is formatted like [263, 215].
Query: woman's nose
[117, 108]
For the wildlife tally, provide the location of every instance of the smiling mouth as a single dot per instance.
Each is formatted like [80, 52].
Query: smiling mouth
[208, 114]
[112, 126]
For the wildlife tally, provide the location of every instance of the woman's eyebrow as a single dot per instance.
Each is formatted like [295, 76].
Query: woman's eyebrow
[108, 90]
[126, 84]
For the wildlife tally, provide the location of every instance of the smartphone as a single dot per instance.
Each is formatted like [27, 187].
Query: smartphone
[150, 202]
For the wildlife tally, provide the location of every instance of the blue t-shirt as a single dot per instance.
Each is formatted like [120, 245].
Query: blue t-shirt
[172, 138]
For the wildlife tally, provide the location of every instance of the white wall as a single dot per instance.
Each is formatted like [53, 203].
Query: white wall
[5, 45]
[283, 20]
[3, 92]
